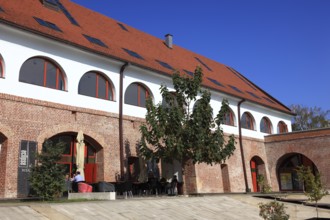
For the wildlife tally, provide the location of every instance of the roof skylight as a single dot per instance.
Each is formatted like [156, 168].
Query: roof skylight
[47, 24]
[166, 65]
[254, 95]
[235, 88]
[269, 100]
[51, 4]
[122, 26]
[95, 40]
[189, 72]
[215, 82]
[133, 54]
[241, 77]
[66, 12]
[206, 66]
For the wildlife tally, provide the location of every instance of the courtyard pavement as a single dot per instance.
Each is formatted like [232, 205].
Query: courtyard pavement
[230, 206]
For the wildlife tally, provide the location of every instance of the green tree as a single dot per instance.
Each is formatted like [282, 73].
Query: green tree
[313, 187]
[47, 176]
[174, 130]
[307, 118]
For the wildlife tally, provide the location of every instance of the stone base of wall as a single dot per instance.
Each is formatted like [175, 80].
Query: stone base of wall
[93, 196]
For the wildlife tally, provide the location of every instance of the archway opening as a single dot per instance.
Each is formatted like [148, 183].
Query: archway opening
[287, 174]
[91, 153]
[3, 162]
[225, 178]
[257, 166]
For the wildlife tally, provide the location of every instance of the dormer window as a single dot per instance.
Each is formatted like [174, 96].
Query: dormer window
[52, 4]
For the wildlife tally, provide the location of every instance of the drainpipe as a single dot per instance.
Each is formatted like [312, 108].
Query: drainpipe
[121, 138]
[241, 144]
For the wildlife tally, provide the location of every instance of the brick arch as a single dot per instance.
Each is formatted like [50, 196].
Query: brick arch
[7, 141]
[49, 132]
[285, 170]
[258, 167]
[284, 156]
[89, 134]
[6, 131]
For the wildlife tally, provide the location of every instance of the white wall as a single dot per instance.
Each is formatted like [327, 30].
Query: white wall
[18, 46]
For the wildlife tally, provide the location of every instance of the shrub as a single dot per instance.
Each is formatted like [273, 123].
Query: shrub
[264, 187]
[273, 211]
[47, 176]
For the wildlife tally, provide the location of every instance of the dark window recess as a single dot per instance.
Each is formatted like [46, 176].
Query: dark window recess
[247, 121]
[42, 72]
[189, 72]
[133, 54]
[206, 66]
[47, 24]
[95, 41]
[136, 94]
[215, 82]
[269, 100]
[66, 12]
[254, 95]
[122, 26]
[1, 10]
[241, 77]
[94, 84]
[235, 88]
[166, 65]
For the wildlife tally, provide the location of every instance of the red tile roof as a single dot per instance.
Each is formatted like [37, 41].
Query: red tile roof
[20, 13]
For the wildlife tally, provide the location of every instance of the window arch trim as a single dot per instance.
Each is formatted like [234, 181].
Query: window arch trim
[230, 118]
[46, 66]
[96, 90]
[247, 121]
[266, 125]
[142, 94]
[282, 127]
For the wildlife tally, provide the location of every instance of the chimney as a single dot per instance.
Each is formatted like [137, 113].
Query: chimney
[169, 40]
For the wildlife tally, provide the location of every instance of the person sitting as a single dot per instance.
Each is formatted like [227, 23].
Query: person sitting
[77, 178]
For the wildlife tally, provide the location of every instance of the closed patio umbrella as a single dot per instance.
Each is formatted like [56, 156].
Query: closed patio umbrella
[80, 153]
[143, 174]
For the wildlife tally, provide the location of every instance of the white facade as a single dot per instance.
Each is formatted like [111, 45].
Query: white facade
[17, 46]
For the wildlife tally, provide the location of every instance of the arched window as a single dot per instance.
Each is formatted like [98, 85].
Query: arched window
[171, 102]
[230, 118]
[42, 72]
[136, 94]
[197, 103]
[95, 85]
[68, 158]
[247, 121]
[282, 127]
[265, 125]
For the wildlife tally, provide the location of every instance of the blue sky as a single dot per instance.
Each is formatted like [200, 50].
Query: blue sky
[283, 46]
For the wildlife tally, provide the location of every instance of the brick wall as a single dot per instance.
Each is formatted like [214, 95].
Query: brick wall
[33, 120]
[314, 144]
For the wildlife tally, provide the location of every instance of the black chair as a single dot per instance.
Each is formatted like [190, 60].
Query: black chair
[125, 188]
[128, 189]
[105, 187]
[153, 186]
